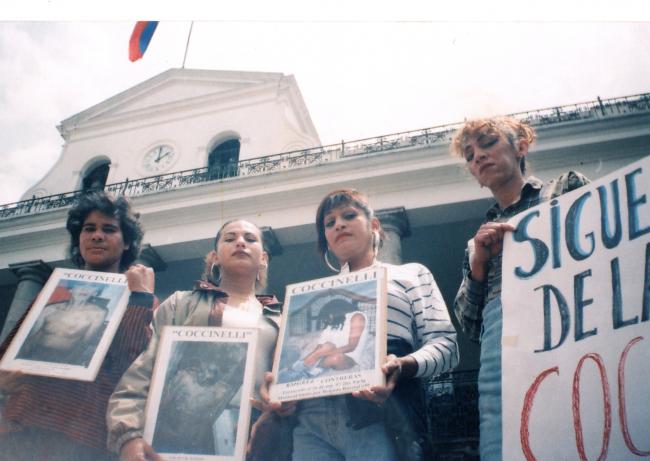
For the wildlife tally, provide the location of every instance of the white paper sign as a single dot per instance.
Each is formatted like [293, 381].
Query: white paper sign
[576, 324]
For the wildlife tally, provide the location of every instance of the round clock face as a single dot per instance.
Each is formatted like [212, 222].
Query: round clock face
[158, 159]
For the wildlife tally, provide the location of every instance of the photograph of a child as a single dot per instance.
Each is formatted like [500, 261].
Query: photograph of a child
[70, 326]
[329, 332]
[200, 402]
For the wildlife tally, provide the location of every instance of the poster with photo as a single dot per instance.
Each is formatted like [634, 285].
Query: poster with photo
[199, 401]
[70, 326]
[333, 336]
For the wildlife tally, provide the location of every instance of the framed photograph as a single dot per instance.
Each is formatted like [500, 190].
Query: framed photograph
[199, 400]
[333, 336]
[70, 326]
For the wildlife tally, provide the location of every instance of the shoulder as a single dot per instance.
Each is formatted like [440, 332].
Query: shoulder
[564, 183]
[176, 298]
[406, 271]
[408, 275]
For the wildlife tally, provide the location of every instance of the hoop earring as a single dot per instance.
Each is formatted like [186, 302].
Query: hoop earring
[258, 277]
[327, 261]
[217, 279]
[376, 240]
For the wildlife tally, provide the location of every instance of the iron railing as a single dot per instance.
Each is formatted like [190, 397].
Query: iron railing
[600, 108]
[453, 407]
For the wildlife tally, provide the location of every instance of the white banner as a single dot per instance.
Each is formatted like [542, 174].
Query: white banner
[576, 324]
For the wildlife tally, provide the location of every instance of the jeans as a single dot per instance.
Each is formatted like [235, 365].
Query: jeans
[489, 382]
[322, 434]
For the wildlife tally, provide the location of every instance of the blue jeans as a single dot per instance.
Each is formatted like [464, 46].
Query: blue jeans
[489, 382]
[322, 434]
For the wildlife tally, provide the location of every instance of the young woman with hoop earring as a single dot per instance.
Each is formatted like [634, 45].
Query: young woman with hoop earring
[382, 423]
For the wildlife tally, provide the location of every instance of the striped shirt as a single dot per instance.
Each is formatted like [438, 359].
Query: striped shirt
[417, 314]
[472, 295]
[76, 409]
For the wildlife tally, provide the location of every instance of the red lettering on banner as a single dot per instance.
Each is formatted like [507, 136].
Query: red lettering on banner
[524, 435]
[622, 414]
[607, 406]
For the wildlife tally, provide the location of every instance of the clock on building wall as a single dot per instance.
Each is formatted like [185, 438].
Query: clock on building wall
[158, 159]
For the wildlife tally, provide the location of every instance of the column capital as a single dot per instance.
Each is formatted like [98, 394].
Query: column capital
[396, 220]
[150, 257]
[37, 271]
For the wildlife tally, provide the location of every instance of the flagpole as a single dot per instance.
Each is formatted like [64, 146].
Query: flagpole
[187, 45]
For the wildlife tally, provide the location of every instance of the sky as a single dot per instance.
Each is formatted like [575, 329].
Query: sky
[365, 68]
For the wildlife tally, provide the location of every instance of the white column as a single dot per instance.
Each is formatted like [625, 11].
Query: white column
[32, 275]
[395, 224]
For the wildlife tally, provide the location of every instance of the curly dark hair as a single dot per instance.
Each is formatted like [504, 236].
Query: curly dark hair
[333, 312]
[120, 209]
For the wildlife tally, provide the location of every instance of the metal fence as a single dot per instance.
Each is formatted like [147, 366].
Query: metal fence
[323, 154]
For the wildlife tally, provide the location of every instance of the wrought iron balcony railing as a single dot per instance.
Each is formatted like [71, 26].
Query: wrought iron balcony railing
[453, 407]
[601, 108]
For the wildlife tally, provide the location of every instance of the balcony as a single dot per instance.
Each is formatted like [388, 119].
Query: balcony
[598, 109]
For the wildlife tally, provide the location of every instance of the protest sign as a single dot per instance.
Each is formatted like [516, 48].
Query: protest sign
[576, 323]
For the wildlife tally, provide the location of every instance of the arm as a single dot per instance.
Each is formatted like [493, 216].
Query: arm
[470, 300]
[438, 351]
[357, 325]
[133, 333]
[125, 415]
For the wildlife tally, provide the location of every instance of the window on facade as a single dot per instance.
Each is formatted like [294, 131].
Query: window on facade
[223, 159]
[95, 179]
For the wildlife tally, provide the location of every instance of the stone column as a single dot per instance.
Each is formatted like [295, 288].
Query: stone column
[150, 258]
[396, 226]
[272, 245]
[32, 275]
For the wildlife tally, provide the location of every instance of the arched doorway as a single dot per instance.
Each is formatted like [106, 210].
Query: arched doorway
[223, 159]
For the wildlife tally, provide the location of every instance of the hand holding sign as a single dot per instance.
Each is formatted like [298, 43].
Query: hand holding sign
[488, 242]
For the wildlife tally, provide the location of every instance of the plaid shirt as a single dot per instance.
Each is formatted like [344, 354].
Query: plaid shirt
[472, 295]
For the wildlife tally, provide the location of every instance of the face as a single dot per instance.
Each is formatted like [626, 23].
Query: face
[101, 243]
[83, 292]
[349, 235]
[492, 160]
[240, 248]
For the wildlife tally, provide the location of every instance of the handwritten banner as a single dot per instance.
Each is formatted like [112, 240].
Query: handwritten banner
[576, 324]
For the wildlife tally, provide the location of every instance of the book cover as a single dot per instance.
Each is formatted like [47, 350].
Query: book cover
[70, 326]
[199, 400]
[333, 336]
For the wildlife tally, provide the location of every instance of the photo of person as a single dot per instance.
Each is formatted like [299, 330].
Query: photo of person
[343, 335]
[70, 326]
[199, 406]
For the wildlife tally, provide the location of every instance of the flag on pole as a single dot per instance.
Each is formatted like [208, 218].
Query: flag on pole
[140, 38]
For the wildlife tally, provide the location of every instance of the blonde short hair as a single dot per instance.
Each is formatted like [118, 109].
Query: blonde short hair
[514, 130]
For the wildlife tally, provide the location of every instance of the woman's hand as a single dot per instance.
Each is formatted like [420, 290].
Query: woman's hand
[140, 278]
[394, 367]
[138, 450]
[488, 242]
[281, 408]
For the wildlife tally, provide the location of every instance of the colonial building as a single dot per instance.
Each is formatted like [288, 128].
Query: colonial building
[195, 148]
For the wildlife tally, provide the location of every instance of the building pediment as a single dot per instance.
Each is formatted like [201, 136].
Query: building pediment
[172, 89]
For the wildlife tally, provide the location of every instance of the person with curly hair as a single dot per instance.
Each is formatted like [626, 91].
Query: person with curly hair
[495, 151]
[58, 419]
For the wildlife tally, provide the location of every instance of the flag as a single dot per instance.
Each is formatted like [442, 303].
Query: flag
[140, 38]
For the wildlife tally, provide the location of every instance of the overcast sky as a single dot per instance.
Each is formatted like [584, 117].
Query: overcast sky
[363, 71]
